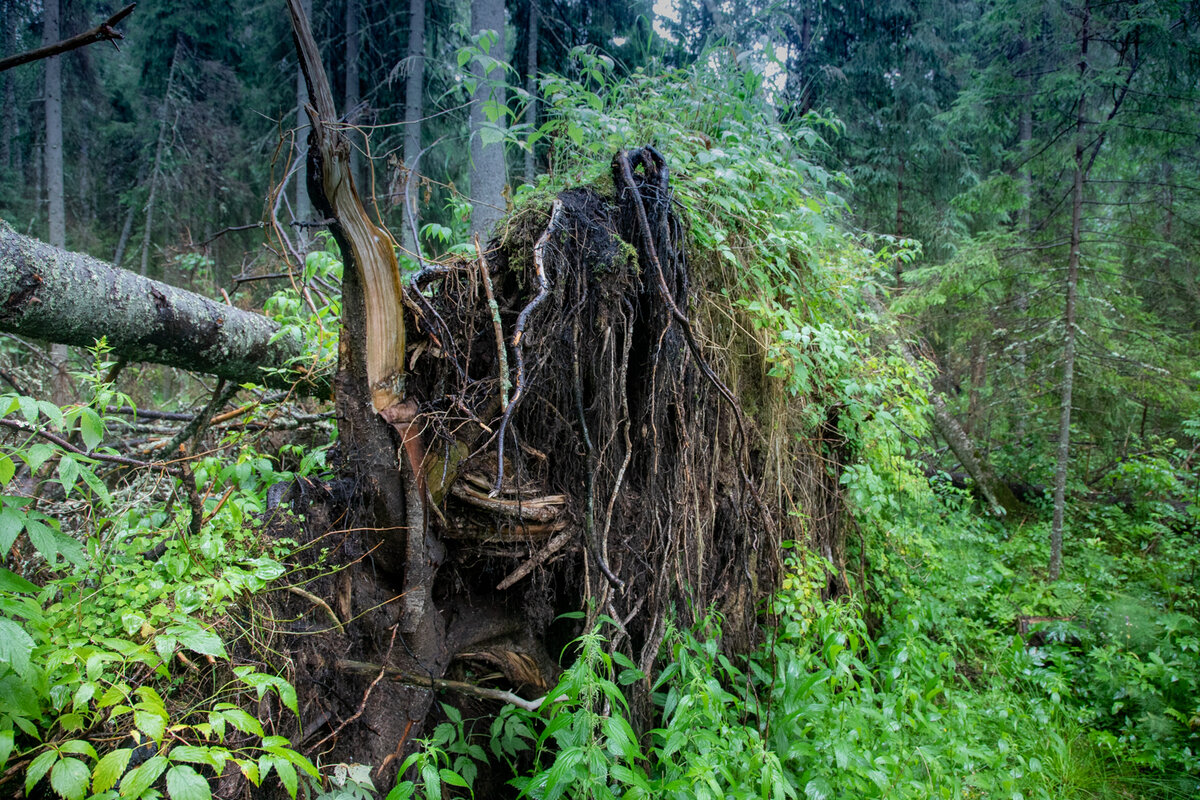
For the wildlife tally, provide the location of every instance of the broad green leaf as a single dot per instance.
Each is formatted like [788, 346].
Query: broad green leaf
[184, 783]
[452, 778]
[29, 409]
[78, 747]
[91, 429]
[36, 455]
[6, 746]
[194, 637]
[53, 414]
[68, 472]
[243, 721]
[38, 769]
[16, 646]
[12, 582]
[287, 775]
[151, 723]
[70, 778]
[43, 539]
[139, 779]
[7, 469]
[110, 769]
[12, 521]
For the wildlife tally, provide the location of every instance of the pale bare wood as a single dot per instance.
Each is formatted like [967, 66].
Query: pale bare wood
[371, 246]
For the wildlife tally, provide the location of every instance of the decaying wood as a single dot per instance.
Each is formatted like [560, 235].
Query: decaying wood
[999, 498]
[409, 678]
[536, 509]
[72, 298]
[372, 247]
[104, 32]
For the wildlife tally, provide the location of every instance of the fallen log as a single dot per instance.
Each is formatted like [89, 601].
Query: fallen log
[72, 298]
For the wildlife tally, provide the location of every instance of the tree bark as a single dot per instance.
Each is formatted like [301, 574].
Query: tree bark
[303, 211]
[531, 69]
[353, 48]
[376, 421]
[160, 146]
[1063, 456]
[488, 174]
[72, 298]
[8, 129]
[997, 494]
[61, 382]
[414, 96]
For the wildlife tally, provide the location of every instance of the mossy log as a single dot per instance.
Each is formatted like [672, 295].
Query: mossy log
[72, 298]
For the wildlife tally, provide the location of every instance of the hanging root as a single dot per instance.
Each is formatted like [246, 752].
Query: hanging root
[539, 262]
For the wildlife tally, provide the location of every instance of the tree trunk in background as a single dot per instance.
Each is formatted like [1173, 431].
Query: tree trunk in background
[531, 68]
[1021, 351]
[303, 209]
[164, 112]
[1068, 378]
[414, 95]
[994, 492]
[61, 383]
[353, 47]
[488, 175]
[8, 129]
[127, 228]
[899, 266]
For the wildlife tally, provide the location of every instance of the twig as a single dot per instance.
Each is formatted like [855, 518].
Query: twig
[539, 263]
[317, 601]
[536, 560]
[221, 395]
[501, 350]
[103, 32]
[366, 695]
[17, 425]
[400, 676]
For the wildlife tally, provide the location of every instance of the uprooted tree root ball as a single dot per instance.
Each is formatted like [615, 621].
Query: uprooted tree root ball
[580, 447]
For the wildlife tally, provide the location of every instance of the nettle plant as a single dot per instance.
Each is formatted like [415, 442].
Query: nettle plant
[107, 600]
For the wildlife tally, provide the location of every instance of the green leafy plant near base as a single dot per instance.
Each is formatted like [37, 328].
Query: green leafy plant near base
[96, 650]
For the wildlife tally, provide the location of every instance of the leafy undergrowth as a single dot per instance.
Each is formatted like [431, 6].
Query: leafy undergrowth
[132, 656]
[938, 698]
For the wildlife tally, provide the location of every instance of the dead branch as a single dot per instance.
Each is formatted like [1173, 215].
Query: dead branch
[103, 32]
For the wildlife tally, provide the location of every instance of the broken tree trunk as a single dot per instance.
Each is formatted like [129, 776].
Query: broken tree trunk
[997, 494]
[376, 422]
[72, 298]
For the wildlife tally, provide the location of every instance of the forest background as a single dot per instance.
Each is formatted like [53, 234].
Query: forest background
[1014, 612]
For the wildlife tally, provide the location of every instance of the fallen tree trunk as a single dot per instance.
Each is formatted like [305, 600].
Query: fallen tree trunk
[993, 491]
[72, 298]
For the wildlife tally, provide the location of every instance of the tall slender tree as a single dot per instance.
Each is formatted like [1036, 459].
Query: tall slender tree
[303, 208]
[414, 96]
[488, 176]
[53, 161]
[531, 70]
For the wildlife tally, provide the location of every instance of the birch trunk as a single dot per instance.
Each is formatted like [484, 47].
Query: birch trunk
[303, 211]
